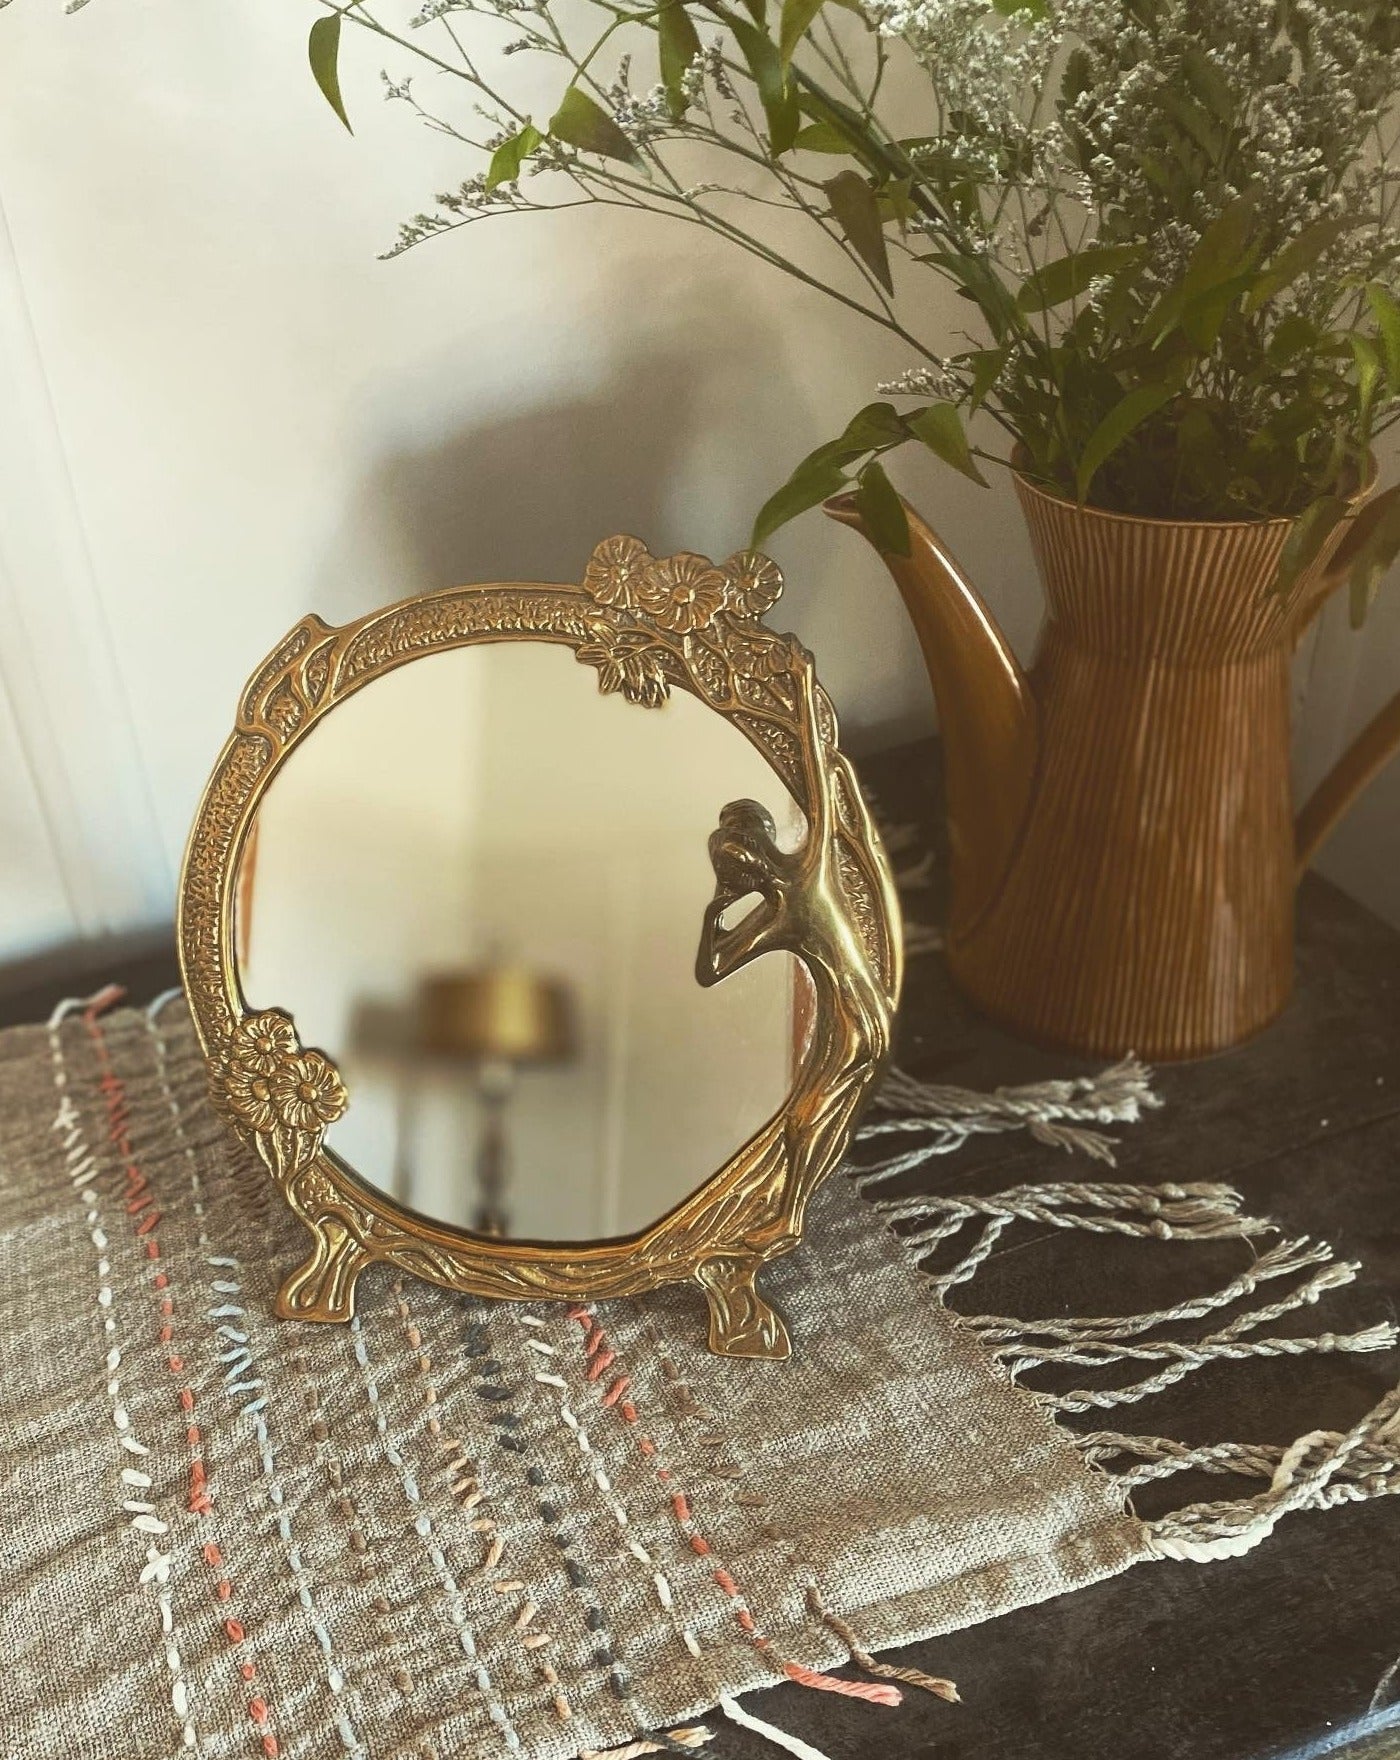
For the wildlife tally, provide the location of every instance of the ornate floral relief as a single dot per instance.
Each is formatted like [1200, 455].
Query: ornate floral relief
[626, 660]
[280, 1094]
[684, 592]
[646, 626]
[275, 667]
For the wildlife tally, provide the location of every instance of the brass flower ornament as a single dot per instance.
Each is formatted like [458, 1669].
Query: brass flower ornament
[269, 1081]
[755, 583]
[616, 570]
[683, 592]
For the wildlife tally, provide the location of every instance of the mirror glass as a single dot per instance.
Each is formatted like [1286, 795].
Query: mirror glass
[480, 886]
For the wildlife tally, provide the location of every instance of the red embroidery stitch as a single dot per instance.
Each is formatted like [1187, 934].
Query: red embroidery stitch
[140, 1198]
[681, 1509]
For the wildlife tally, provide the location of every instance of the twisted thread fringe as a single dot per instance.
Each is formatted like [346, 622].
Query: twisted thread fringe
[1373, 1470]
[675, 1741]
[911, 1677]
[1058, 1114]
[1318, 1471]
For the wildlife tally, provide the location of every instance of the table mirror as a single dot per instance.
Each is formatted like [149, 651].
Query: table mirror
[539, 941]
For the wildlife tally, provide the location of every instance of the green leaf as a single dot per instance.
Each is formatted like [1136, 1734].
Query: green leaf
[858, 215]
[508, 158]
[821, 137]
[1387, 315]
[1225, 245]
[797, 15]
[1293, 335]
[1033, 9]
[323, 51]
[1115, 428]
[895, 203]
[1068, 277]
[979, 282]
[814, 480]
[581, 123]
[987, 365]
[873, 428]
[940, 428]
[1203, 317]
[1209, 84]
[678, 43]
[1202, 127]
[1222, 254]
[882, 511]
[1311, 530]
[776, 92]
[1298, 256]
[1369, 371]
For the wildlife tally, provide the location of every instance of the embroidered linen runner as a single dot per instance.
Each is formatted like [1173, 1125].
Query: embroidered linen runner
[461, 1528]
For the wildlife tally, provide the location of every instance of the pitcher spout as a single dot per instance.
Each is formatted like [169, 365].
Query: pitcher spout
[986, 713]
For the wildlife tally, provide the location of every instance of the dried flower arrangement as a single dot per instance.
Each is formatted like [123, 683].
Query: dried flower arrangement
[1174, 221]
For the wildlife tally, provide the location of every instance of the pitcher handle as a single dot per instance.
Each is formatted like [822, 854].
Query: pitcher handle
[1363, 759]
[1377, 742]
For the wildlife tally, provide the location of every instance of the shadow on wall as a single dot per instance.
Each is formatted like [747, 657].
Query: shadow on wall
[516, 499]
[676, 434]
[521, 496]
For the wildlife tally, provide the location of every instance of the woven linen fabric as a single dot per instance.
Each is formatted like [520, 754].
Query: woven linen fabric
[454, 1528]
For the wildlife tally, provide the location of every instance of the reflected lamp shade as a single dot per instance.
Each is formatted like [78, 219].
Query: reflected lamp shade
[503, 1014]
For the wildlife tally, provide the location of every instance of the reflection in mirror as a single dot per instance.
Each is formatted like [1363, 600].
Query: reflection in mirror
[480, 886]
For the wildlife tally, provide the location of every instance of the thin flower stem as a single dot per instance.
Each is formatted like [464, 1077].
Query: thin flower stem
[683, 210]
[1019, 174]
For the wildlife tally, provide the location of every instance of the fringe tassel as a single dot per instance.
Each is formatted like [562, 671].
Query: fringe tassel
[1276, 1261]
[911, 1677]
[793, 1745]
[682, 1740]
[1318, 1471]
[92, 1006]
[1190, 1357]
[830, 1683]
[915, 873]
[1168, 1212]
[1372, 1471]
[899, 836]
[1055, 1113]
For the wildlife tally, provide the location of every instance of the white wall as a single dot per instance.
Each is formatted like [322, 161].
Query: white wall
[226, 412]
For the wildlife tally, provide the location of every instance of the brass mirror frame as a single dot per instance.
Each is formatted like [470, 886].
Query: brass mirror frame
[648, 626]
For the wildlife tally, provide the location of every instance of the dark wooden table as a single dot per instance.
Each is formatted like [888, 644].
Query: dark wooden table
[1282, 1652]
[1287, 1651]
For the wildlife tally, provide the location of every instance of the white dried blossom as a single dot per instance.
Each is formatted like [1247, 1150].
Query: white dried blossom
[935, 380]
[435, 9]
[716, 71]
[414, 231]
[641, 119]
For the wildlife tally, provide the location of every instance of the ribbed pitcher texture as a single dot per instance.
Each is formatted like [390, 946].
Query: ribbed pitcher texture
[1121, 831]
[1149, 903]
